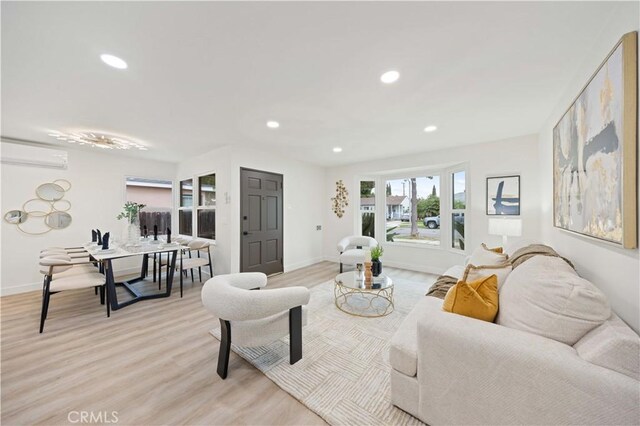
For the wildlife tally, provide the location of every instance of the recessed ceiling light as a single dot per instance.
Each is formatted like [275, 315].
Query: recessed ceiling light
[113, 61]
[273, 124]
[337, 149]
[430, 128]
[390, 77]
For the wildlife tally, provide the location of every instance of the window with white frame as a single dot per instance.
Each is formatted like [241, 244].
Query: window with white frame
[207, 206]
[367, 208]
[185, 209]
[156, 195]
[412, 209]
[458, 208]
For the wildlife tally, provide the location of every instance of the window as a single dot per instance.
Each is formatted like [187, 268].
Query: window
[458, 209]
[185, 211]
[367, 208]
[207, 206]
[413, 210]
[156, 195]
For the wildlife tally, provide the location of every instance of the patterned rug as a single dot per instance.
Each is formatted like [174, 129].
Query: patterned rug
[344, 373]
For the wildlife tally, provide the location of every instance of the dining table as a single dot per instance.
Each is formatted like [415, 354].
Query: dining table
[145, 248]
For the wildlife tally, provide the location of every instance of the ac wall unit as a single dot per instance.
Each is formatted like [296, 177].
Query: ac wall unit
[34, 156]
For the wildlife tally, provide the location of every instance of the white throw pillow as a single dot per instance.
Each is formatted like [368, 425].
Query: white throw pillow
[483, 256]
[545, 296]
[474, 273]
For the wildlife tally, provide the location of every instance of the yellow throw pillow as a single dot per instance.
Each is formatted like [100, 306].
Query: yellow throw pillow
[477, 299]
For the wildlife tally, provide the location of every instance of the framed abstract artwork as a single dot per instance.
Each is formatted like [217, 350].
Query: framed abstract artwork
[594, 152]
[503, 195]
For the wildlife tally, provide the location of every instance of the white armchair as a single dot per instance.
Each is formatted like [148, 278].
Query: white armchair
[352, 249]
[256, 317]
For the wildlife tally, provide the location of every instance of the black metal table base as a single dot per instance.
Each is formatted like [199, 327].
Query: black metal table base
[128, 285]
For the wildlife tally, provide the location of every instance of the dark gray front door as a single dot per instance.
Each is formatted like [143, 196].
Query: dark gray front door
[261, 222]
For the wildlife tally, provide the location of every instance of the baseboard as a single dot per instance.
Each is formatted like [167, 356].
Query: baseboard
[304, 263]
[17, 289]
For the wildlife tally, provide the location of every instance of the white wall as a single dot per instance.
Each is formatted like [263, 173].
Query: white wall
[614, 270]
[96, 196]
[303, 203]
[511, 156]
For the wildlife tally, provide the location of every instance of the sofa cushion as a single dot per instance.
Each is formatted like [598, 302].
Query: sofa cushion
[403, 352]
[613, 345]
[474, 273]
[476, 299]
[485, 256]
[456, 271]
[545, 296]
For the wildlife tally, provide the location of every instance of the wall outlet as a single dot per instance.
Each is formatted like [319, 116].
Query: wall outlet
[318, 227]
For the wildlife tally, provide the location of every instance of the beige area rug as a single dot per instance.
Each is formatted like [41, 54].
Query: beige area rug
[344, 373]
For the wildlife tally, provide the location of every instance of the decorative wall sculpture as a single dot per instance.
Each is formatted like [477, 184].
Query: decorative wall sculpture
[594, 152]
[48, 211]
[341, 200]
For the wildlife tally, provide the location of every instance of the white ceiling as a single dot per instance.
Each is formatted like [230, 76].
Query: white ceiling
[204, 75]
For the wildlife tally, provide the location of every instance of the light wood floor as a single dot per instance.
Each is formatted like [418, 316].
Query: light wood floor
[153, 362]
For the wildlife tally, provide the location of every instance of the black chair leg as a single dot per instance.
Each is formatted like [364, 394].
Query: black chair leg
[104, 287]
[101, 295]
[210, 269]
[95, 290]
[200, 273]
[295, 334]
[340, 267]
[225, 348]
[45, 307]
[154, 267]
[191, 274]
[181, 280]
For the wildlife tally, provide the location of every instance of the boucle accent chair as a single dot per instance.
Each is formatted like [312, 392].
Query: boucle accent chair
[255, 318]
[353, 249]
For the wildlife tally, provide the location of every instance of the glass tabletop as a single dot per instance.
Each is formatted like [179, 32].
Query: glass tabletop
[355, 280]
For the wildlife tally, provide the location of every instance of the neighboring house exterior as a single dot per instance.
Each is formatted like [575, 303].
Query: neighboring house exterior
[396, 205]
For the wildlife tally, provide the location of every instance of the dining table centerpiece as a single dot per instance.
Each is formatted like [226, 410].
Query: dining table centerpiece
[131, 212]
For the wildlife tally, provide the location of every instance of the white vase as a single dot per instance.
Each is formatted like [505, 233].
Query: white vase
[133, 230]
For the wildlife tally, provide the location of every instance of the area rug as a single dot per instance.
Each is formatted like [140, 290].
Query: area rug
[344, 373]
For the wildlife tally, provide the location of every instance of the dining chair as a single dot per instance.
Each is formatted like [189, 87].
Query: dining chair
[61, 273]
[255, 318]
[196, 250]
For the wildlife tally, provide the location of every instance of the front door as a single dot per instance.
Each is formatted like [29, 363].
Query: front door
[261, 222]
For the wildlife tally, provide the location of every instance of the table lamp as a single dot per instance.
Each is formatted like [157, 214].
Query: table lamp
[506, 228]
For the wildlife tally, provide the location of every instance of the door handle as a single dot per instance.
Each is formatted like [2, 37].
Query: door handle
[245, 233]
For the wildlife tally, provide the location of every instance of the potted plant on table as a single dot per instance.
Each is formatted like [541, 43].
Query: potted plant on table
[131, 211]
[376, 265]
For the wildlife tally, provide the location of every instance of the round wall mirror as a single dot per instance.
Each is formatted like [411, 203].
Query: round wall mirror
[50, 192]
[62, 205]
[63, 183]
[58, 220]
[16, 216]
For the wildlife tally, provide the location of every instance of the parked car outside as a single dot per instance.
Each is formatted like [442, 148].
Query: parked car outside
[432, 222]
[406, 217]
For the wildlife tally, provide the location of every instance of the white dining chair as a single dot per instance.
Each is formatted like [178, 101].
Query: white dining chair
[61, 273]
[255, 318]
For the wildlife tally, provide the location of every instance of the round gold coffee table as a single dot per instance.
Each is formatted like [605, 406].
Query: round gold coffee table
[352, 297]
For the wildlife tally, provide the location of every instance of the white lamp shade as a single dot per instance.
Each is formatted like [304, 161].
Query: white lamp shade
[505, 227]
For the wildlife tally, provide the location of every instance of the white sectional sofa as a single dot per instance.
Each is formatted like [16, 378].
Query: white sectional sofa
[451, 369]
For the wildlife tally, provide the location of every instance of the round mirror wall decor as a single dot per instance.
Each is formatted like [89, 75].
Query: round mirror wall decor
[49, 211]
[58, 220]
[50, 192]
[15, 217]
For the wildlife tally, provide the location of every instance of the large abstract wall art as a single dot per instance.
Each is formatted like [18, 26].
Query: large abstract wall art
[594, 153]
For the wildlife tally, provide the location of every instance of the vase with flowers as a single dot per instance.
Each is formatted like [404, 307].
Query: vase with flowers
[376, 264]
[131, 212]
